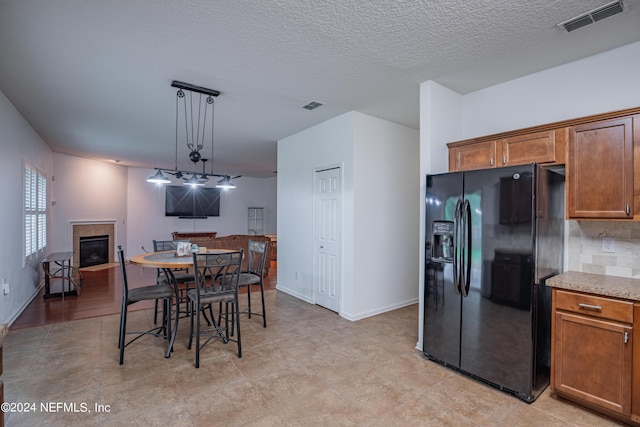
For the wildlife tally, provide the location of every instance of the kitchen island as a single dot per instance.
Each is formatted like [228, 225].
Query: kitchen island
[595, 350]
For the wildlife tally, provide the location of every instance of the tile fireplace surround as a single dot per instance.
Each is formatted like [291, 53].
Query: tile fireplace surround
[87, 229]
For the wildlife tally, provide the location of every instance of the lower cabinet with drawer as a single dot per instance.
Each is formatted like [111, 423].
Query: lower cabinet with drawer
[592, 353]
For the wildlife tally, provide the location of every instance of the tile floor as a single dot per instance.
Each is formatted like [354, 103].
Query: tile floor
[309, 367]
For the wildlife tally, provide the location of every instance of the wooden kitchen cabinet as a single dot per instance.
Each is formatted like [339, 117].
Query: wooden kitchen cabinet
[481, 155]
[544, 147]
[600, 177]
[592, 352]
[538, 147]
[601, 154]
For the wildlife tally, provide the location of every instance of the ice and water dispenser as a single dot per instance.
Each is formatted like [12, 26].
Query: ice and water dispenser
[442, 247]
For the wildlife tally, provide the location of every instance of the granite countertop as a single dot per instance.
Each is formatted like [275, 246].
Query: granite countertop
[598, 284]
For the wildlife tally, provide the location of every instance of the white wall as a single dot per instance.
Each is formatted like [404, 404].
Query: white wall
[601, 83]
[327, 144]
[379, 217]
[146, 219]
[386, 217]
[18, 142]
[597, 84]
[86, 190]
[440, 123]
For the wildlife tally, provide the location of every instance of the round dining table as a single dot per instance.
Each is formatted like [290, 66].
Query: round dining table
[168, 261]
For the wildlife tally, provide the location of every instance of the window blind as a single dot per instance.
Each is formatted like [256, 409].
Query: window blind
[35, 213]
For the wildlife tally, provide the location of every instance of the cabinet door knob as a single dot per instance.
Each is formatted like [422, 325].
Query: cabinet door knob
[504, 160]
[626, 337]
[490, 162]
[628, 209]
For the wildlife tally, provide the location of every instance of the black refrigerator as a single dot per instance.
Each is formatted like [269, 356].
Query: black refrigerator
[493, 237]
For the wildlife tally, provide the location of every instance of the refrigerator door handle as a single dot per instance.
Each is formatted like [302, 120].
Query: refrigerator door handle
[456, 247]
[462, 241]
[464, 287]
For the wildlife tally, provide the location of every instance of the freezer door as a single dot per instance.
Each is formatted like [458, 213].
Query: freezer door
[496, 330]
[442, 300]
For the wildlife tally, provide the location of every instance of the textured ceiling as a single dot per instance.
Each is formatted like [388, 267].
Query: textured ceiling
[93, 77]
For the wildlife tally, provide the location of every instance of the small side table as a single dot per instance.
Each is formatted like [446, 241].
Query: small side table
[61, 270]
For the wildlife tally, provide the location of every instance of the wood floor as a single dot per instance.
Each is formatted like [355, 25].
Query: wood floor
[101, 295]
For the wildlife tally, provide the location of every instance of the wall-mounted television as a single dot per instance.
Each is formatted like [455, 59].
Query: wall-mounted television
[191, 202]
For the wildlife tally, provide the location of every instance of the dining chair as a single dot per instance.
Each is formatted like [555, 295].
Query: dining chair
[164, 292]
[216, 281]
[181, 276]
[254, 275]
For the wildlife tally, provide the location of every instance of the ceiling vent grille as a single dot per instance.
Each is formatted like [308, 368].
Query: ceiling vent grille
[312, 105]
[592, 16]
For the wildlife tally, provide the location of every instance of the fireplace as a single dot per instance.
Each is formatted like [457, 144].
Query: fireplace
[94, 250]
[88, 231]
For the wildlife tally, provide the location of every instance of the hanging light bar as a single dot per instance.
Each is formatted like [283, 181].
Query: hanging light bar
[194, 88]
[195, 137]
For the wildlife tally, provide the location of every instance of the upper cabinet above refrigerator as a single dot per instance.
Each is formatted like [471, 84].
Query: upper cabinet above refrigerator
[599, 155]
[546, 147]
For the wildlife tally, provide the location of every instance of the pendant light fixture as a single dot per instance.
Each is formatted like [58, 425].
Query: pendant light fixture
[194, 181]
[225, 183]
[159, 178]
[198, 112]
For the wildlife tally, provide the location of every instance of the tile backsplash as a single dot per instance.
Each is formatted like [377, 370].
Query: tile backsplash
[585, 247]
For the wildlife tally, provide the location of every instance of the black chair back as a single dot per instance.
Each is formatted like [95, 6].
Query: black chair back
[217, 274]
[123, 270]
[257, 257]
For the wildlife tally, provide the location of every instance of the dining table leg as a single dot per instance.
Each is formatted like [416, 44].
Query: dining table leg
[172, 331]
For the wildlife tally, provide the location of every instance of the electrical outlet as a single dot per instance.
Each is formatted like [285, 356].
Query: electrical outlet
[608, 244]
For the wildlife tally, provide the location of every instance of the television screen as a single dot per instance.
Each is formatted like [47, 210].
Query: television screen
[187, 202]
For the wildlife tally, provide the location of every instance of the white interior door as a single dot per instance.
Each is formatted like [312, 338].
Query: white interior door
[327, 229]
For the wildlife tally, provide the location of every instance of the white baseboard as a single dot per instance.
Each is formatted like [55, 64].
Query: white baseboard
[294, 294]
[380, 310]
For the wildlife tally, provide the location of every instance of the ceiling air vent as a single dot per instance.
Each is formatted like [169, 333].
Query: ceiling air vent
[592, 16]
[312, 105]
